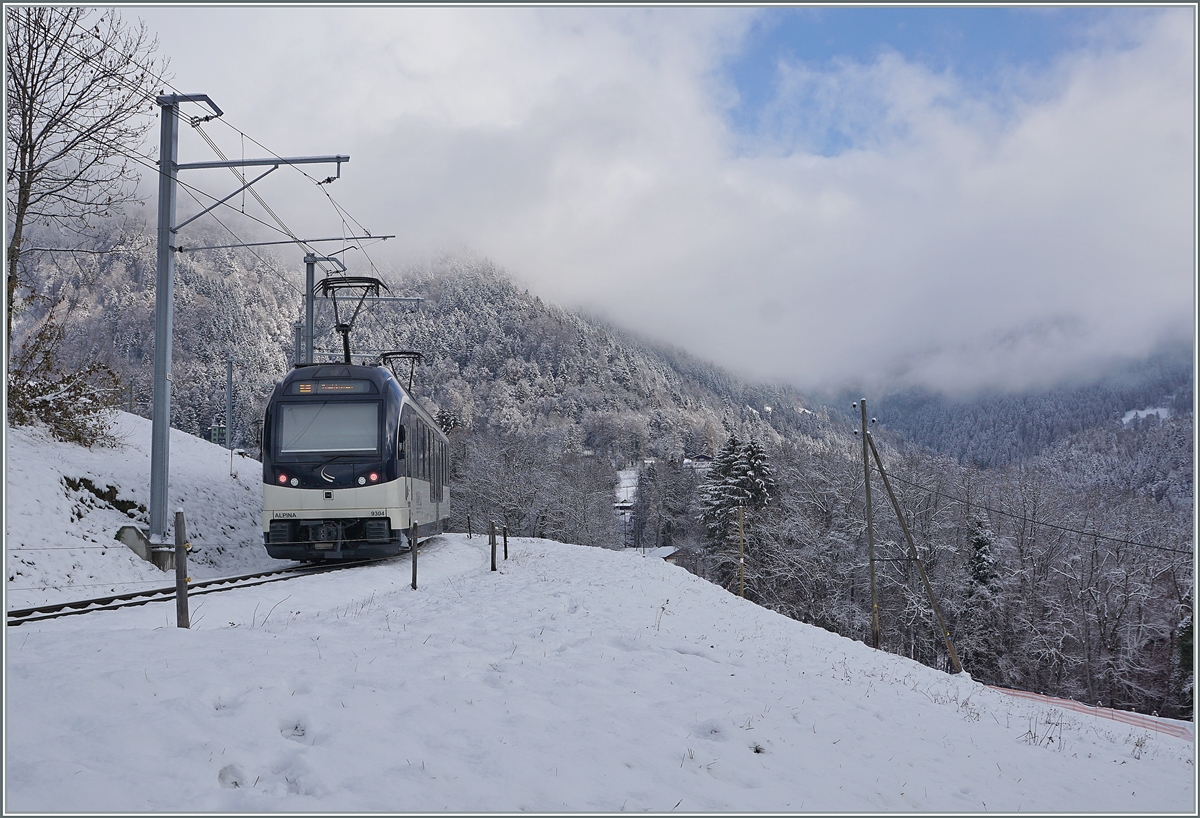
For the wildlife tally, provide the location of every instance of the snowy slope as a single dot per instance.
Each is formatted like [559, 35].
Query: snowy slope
[573, 679]
[59, 535]
[1163, 412]
[627, 480]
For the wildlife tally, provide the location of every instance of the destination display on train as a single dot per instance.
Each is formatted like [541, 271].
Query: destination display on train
[339, 387]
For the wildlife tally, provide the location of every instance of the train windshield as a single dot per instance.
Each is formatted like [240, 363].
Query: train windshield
[321, 428]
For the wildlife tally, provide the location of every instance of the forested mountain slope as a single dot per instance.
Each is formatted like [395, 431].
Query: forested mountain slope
[1063, 564]
[998, 429]
[501, 359]
[495, 356]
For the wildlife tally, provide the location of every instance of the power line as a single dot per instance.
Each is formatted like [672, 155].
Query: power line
[252, 252]
[80, 250]
[287, 231]
[67, 46]
[343, 214]
[1023, 517]
[149, 163]
[137, 89]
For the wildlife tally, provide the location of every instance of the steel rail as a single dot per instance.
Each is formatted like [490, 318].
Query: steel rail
[135, 598]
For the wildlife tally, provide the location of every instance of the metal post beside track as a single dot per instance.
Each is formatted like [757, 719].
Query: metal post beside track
[492, 541]
[506, 542]
[181, 589]
[412, 541]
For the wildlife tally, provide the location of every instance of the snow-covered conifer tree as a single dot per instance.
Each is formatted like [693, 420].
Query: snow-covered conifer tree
[740, 479]
[982, 562]
[980, 639]
[754, 472]
[718, 501]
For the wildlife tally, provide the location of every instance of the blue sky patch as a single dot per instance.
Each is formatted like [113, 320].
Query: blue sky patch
[979, 46]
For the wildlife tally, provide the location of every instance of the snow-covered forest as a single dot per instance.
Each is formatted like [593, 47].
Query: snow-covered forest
[352, 692]
[1066, 570]
[998, 429]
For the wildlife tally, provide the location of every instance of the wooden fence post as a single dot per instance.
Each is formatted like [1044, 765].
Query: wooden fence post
[492, 540]
[181, 592]
[505, 542]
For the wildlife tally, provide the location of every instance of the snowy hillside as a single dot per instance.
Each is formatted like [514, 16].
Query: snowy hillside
[60, 527]
[573, 679]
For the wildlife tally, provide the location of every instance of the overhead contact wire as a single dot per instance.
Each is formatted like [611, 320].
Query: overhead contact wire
[342, 213]
[1026, 518]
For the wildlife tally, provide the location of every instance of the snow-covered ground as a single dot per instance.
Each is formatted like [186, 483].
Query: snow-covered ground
[572, 679]
[1163, 413]
[627, 480]
[60, 535]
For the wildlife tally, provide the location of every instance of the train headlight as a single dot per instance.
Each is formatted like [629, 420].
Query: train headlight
[282, 478]
[295, 481]
[374, 477]
[362, 481]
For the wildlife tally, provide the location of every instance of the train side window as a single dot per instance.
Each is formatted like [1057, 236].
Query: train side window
[436, 485]
[441, 477]
[424, 452]
[410, 447]
[404, 439]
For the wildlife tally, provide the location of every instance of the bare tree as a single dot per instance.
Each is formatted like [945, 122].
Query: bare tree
[79, 93]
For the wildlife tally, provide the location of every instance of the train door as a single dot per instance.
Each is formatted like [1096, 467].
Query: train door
[408, 439]
[435, 486]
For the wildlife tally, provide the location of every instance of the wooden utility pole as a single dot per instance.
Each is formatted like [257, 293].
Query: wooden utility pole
[912, 551]
[870, 531]
[741, 554]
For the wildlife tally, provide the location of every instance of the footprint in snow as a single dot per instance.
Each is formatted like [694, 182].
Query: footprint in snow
[231, 777]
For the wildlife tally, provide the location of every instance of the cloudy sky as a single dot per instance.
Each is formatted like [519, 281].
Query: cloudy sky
[956, 197]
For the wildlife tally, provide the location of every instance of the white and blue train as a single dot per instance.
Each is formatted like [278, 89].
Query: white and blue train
[350, 464]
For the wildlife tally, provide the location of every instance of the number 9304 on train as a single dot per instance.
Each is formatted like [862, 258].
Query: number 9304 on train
[350, 464]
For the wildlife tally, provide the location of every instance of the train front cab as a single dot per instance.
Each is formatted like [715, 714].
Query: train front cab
[349, 464]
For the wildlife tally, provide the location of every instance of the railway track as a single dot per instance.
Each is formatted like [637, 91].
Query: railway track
[207, 586]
